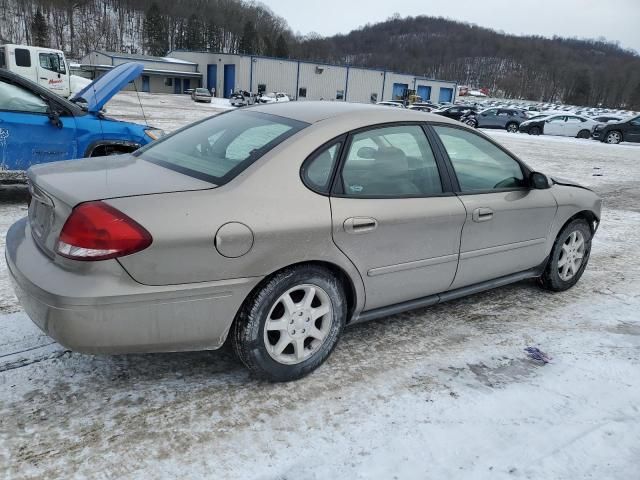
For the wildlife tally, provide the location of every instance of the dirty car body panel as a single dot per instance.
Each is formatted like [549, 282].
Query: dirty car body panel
[218, 234]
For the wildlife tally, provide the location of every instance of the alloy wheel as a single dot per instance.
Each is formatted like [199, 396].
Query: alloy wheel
[298, 324]
[512, 128]
[571, 256]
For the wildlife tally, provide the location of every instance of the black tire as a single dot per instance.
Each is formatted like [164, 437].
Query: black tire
[584, 134]
[550, 279]
[535, 131]
[512, 127]
[472, 122]
[248, 331]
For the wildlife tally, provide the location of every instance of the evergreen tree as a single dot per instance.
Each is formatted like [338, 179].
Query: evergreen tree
[282, 48]
[155, 31]
[39, 30]
[249, 39]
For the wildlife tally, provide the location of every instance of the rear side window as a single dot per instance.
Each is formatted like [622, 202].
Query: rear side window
[317, 171]
[391, 162]
[478, 163]
[23, 57]
[218, 149]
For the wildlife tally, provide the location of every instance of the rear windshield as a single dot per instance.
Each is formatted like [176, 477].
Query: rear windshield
[202, 90]
[218, 149]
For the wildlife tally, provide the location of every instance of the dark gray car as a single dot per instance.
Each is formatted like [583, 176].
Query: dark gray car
[508, 119]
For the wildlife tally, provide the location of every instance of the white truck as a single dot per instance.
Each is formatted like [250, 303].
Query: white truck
[45, 66]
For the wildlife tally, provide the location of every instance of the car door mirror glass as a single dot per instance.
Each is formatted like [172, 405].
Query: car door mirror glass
[367, 152]
[538, 181]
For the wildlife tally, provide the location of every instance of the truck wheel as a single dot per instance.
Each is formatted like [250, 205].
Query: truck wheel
[289, 326]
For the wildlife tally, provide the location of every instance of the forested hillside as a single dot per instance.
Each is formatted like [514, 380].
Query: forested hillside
[144, 26]
[575, 71]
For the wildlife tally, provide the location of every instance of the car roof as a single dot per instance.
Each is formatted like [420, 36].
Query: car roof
[313, 112]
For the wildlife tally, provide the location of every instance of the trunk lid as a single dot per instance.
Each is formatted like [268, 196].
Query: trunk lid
[58, 187]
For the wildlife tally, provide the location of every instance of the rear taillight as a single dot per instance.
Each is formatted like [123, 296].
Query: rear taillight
[97, 231]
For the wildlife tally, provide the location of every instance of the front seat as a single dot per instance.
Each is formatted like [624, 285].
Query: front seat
[391, 174]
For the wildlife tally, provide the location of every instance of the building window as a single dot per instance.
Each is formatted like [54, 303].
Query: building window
[23, 57]
[374, 98]
[168, 82]
[302, 93]
[262, 88]
[340, 95]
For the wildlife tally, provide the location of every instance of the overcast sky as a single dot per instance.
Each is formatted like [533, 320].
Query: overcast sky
[613, 19]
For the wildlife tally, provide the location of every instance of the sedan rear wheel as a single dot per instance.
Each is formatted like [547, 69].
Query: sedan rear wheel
[472, 123]
[613, 138]
[288, 327]
[584, 134]
[534, 131]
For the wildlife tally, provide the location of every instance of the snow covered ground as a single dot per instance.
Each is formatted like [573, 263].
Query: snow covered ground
[445, 392]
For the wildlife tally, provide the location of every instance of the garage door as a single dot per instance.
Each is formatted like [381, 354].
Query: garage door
[446, 94]
[399, 90]
[424, 92]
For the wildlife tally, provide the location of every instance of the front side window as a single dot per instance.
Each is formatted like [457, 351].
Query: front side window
[557, 119]
[218, 149]
[23, 57]
[478, 163]
[17, 99]
[391, 162]
[53, 62]
[317, 171]
[635, 122]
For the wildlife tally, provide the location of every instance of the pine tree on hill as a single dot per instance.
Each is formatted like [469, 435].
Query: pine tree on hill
[155, 31]
[39, 30]
[282, 48]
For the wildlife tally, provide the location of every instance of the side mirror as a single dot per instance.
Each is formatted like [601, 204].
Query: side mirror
[538, 181]
[367, 152]
[54, 117]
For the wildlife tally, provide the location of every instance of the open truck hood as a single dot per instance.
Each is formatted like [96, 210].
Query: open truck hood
[99, 92]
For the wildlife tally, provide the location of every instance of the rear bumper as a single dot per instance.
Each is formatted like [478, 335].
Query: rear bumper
[98, 308]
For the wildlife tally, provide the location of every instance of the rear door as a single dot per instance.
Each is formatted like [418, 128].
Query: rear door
[394, 215]
[488, 118]
[27, 135]
[573, 125]
[507, 223]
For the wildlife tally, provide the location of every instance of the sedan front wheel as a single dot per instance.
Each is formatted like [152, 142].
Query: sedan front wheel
[289, 327]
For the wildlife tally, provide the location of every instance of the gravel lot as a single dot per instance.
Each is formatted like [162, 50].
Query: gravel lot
[444, 392]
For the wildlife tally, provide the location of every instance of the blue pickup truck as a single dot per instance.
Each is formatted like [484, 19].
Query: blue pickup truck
[37, 126]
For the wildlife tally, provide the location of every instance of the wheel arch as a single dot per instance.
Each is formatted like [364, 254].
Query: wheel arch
[589, 216]
[349, 286]
[121, 146]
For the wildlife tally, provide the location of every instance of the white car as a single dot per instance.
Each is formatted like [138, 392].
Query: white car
[274, 97]
[392, 103]
[566, 125]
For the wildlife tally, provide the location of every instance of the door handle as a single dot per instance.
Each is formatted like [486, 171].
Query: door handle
[482, 214]
[44, 78]
[360, 225]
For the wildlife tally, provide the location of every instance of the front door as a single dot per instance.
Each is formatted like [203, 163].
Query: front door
[391, 217]
[488, 118]
[145, 84]
[177, 86]
[555, 125]
[27, 135]
[52, 72]
[507, 223]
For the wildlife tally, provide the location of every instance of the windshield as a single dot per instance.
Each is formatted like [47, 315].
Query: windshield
[218, 149]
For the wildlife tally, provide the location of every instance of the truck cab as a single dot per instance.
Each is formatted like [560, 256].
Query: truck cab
[45, 66]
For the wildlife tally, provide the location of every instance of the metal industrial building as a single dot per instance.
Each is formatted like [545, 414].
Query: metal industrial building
[160, 75]
[304, 80]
